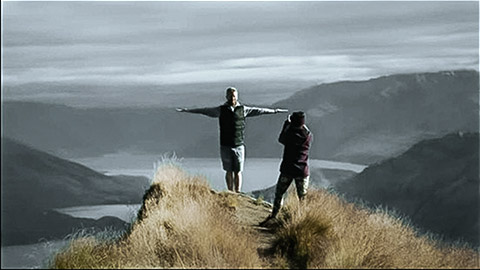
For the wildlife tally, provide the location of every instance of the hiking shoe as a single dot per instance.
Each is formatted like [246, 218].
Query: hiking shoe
[266, 222]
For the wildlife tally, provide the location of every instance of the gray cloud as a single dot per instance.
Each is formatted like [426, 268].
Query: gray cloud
[165, 43]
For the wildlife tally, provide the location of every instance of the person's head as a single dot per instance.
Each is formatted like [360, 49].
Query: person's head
[232, 96]
[297, 119]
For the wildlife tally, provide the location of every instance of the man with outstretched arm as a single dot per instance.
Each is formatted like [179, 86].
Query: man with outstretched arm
[231, 117]
[296, 138]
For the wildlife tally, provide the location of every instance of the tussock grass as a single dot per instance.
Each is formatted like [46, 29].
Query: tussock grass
[88, 249]
[324, 231]
[181, 224]
[184, 224]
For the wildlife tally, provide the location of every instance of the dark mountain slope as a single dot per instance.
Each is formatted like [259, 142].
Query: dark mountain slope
[368, 121]
[435, 184]
[33, 182]
[34, 176]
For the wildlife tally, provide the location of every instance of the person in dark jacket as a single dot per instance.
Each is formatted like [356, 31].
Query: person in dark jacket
[297, 138]
[231, 117]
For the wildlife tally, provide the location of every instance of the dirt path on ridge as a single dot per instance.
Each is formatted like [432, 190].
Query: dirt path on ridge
[250, 212]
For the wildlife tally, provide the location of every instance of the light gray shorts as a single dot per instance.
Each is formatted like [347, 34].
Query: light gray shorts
[232, 158]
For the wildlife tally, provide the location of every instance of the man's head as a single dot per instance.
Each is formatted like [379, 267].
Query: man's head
[298, 119]
[232, 96]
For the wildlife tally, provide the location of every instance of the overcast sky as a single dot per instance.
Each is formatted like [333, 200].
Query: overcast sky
[158, 47]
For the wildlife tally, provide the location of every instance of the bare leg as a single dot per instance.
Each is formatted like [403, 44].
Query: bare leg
[229, 180]
[238, 181]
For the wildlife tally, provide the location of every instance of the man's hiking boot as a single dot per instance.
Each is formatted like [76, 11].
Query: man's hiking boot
[267, 222]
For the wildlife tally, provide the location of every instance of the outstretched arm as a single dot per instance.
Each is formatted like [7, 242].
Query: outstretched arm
[209, 111]
[254, 111]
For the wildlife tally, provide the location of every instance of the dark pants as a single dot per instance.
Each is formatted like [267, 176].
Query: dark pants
[283, 183]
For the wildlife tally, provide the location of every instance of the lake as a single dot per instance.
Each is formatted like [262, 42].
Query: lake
[125, 212]
[30, 256]
[259, 173]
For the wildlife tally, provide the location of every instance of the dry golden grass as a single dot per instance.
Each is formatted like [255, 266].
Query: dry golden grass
[184, 224]
[326, 232]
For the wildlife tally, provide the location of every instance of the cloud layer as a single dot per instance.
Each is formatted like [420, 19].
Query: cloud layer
[165, 43]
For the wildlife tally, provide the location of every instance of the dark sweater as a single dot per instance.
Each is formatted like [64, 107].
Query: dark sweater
[297, 142]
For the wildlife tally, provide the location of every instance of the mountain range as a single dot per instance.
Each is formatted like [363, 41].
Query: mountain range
[355, 121]
[368, 121]
[35, 182]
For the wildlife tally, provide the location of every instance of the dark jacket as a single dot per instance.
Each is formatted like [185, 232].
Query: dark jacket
[232, 120]
[232, 125]
[297, 142]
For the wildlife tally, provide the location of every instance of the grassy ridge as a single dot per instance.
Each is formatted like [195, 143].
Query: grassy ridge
[183, 224]
[326, 232]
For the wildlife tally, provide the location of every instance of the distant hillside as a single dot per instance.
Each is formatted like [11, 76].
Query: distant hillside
[34, 176]
[76, 132]
[35, 226]
[357, 121]
[368, 121]
[33, 182]
[435, 183]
